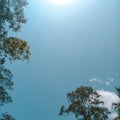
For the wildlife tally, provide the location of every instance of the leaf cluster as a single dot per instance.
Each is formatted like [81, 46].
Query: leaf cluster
[16, 49]
[11, 15]
[85, 104]
[5, 84]
[6, 116]
[11, 48]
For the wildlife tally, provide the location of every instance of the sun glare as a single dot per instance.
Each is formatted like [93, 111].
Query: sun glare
[61, 2]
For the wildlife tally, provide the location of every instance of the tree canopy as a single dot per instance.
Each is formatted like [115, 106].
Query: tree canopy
[5, 85]
[11, 15]
[12, 18]
[6, 116]
[14, 48]
[85, 104]
[11, 48]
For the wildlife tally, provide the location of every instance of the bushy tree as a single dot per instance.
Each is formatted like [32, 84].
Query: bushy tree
[85, 104]
[11, 48]
[12, 18]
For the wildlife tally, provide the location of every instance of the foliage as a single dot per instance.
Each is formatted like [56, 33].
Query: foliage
[11, 15]
[12, 18]
[11, 48]
[15, 49]
[5, 84]
[85, 104]
[6, 116]
[116, 106]
[5, 78]
[118, 91]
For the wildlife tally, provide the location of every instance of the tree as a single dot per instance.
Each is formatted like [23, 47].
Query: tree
[11, 48]
[6, 84]
[85, 104]
[15, 49]
[12, 18]
[6, 116]
[116, 106]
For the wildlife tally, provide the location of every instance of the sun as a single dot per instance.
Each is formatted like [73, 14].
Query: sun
[61, 2]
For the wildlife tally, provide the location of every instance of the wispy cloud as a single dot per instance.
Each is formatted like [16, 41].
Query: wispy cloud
[108, 81]
[95, 80]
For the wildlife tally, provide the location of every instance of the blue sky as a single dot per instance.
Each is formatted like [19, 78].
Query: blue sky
[74, 45]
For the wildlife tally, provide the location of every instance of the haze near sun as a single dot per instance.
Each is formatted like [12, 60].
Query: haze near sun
[61, 2]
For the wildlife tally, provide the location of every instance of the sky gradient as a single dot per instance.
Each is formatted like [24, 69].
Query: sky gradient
[73, 45]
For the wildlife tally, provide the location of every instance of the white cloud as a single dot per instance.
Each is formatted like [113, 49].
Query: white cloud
[106, 96]
[109, 98]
